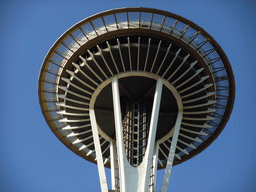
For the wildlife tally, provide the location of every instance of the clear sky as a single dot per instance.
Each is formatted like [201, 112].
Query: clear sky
[32, 159]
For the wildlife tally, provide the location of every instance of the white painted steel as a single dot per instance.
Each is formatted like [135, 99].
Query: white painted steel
[191, 138]
[92, 56]
[97, 146]
[79, 88]
[86, 146]
[135, 178]
[160, 162]
[205, 125]
[209, 110]
[138, 58]
[120, 53]
[199, 98]
[138, 74]
[209, 102]
[207, 118]
[198, 82]
[88, 66]
[68, 127]
[158, 48]
[63, 116]
[195, 132]
[129, 51]
[189, 145]
[119, 135]
[189, 79]
[176, 55]
[81, 140]
[184, 73]
[155, 164]
[147, 161]
[112, 57]
[167, 52]
[103, 58]
[183, 150]
[170, 158]
[195, 92]
[85, 75]
[125, 177]
[178, 68]
[73, 120]
[113, 165]
[72, 134]
[146, 61]
[73, 93]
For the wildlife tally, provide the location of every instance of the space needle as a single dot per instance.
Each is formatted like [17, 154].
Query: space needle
[136, 90]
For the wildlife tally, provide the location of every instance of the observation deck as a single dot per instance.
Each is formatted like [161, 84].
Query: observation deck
[137, 46]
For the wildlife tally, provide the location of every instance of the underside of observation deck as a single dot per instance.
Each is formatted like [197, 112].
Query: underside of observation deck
[137, 46]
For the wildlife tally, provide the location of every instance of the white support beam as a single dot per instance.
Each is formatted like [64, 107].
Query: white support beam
[178, 68]
[190, 78]
[103, 58]
[96, 63]
[187, 144]
[158, 48]
[73, 93]
[138, 58]
[209, 102]
[135, 178]
[120, 53]
[119, 133]
[152, 133]
[154, 164]
[176, 55]
[74, 85]
[184, 73]
[129, 51]
[170, 158]
[89, 67]
[72, 134]
[206, 86]
[200, 98]
[62, 96]
[111, 54]
[163, 60]
[209, 110]
[83, 73]
[66, 120]
[85, 146]
[146, 61]
[97, 146]
[113, 165]
[68, 127]
[62, 104]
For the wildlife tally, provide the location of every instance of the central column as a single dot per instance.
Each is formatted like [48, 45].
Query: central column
[134, 179]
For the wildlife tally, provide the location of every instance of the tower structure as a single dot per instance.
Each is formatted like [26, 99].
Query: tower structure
[136, 90]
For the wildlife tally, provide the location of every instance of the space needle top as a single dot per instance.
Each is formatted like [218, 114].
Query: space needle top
[136, 83]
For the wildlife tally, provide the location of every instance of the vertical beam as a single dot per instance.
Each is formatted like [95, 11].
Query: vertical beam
[138, 55]
[170, 158]
[114, 170]
[119, 133]
[152, 133]
[135, 178]
[146, 60]
[155, 163]
[101, 169]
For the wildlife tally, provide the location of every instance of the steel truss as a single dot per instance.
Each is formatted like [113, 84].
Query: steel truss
[179, 60]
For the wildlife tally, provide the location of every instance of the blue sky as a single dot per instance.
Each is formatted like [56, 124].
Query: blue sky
[33, 159]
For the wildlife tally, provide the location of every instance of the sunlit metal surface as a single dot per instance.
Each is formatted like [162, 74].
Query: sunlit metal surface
[147, 45]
